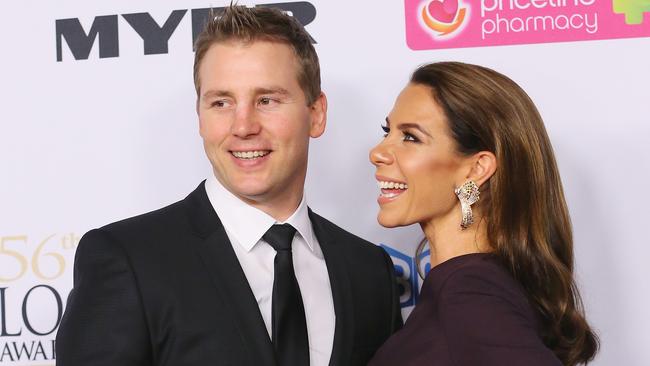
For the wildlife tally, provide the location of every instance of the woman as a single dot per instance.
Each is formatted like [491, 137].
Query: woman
[467, 157]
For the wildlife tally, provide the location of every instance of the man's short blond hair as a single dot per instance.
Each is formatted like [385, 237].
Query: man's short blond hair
[243, 24]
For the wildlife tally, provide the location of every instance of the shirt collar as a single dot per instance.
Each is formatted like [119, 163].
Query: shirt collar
[248, 224]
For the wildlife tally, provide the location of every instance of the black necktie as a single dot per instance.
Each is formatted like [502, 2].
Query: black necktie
[288, 314]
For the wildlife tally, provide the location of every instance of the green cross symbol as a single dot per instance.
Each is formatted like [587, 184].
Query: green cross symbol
[633, 9]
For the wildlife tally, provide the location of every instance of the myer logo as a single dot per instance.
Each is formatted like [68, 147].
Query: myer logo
[104, 29]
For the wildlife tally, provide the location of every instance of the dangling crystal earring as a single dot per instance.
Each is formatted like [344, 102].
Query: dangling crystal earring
[468, 194]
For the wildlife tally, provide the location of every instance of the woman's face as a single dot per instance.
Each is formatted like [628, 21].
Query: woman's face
[417, 165]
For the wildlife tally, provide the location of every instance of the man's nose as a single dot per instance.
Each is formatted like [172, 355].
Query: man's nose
[246, 122]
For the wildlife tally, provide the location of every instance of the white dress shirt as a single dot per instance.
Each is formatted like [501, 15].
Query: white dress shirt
[245, 225]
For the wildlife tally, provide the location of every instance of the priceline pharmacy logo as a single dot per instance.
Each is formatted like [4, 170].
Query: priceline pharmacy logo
[443, 18]
[434, 24]
[514, 17]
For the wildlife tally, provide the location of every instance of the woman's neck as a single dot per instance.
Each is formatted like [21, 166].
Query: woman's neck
[447, 240]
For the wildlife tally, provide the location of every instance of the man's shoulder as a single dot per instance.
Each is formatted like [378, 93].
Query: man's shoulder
[342, 237]
[163, 221]
[159, 219]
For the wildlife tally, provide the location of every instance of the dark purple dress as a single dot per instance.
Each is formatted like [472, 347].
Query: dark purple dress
[471, 312]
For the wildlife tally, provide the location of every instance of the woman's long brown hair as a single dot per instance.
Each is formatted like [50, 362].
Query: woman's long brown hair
[523, 203]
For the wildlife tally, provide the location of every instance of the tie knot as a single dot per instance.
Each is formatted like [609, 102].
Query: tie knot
[280, 236]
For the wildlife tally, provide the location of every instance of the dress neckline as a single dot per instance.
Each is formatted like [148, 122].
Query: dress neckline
[455, 261]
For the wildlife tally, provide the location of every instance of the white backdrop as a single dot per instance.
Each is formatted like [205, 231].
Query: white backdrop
[87, 142]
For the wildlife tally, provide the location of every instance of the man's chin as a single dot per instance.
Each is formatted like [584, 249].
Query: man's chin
[244, 185]
[249, 193]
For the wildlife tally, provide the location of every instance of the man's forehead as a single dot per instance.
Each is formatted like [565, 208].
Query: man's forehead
[255, 57]
[258, 55]
[249, 67]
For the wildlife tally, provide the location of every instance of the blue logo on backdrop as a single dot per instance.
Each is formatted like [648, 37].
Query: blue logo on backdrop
[408, 280]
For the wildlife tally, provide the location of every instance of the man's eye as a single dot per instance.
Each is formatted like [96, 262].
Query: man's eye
[218, 103]
[266, 101]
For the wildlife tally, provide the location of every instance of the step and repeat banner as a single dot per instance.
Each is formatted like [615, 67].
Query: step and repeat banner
[98, 123]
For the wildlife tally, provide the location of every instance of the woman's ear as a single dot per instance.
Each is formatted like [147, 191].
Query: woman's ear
[483, 166]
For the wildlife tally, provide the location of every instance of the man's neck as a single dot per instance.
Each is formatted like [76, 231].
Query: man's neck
[279, 205]
[280, 208]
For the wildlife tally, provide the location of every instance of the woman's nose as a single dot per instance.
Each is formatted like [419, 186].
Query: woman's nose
[380, 154]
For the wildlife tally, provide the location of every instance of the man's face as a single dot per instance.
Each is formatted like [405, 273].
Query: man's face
[255, 121]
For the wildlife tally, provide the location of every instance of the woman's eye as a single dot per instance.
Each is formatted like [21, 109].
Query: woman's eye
[386, 130]
[409, 137]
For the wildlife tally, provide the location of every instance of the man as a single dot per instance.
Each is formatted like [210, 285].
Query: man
[216, 279]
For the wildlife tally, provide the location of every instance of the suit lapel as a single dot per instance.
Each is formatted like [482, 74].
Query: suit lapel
[341, 291]
[228, 277]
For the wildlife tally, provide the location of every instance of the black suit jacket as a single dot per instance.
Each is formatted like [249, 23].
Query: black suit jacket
[166, 288]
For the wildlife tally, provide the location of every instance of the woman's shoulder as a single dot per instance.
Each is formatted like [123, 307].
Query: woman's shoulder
[476, 270]
[485, 314]
[478, 275]
[481, 270]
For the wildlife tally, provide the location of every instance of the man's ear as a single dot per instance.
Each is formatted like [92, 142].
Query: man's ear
[198, 115]
[318, 116]
[483, 165]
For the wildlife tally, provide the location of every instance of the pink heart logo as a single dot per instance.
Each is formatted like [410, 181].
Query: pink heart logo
[443, 10]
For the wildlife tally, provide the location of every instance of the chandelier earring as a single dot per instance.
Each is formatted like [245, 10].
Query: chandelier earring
[468, 194]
